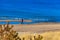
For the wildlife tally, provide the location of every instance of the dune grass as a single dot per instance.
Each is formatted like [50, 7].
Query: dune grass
[46, 36]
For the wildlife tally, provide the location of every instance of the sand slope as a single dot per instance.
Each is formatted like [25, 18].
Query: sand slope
[37, 27]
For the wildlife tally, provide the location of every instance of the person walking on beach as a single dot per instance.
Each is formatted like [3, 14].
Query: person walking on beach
[22, 21]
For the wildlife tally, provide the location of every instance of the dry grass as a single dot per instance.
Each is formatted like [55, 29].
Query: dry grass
[51, 35]
[46, 35]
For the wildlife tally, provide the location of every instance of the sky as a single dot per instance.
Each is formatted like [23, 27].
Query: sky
[28, 8]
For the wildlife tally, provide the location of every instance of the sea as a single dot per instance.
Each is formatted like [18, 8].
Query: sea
[34, 19]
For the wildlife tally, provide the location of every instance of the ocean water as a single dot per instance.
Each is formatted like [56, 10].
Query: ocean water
[34, 19]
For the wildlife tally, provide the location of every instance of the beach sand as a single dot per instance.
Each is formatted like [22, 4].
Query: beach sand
[38, 28]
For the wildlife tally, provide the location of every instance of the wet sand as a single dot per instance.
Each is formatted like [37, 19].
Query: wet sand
[15, 21]
[39, 28]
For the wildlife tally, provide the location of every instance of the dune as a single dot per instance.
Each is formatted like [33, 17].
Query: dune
[48, 31]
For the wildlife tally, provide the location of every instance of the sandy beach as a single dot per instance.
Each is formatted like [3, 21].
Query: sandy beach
[39, 28]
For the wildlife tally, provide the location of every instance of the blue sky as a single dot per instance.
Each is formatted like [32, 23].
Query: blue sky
[25, 8]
